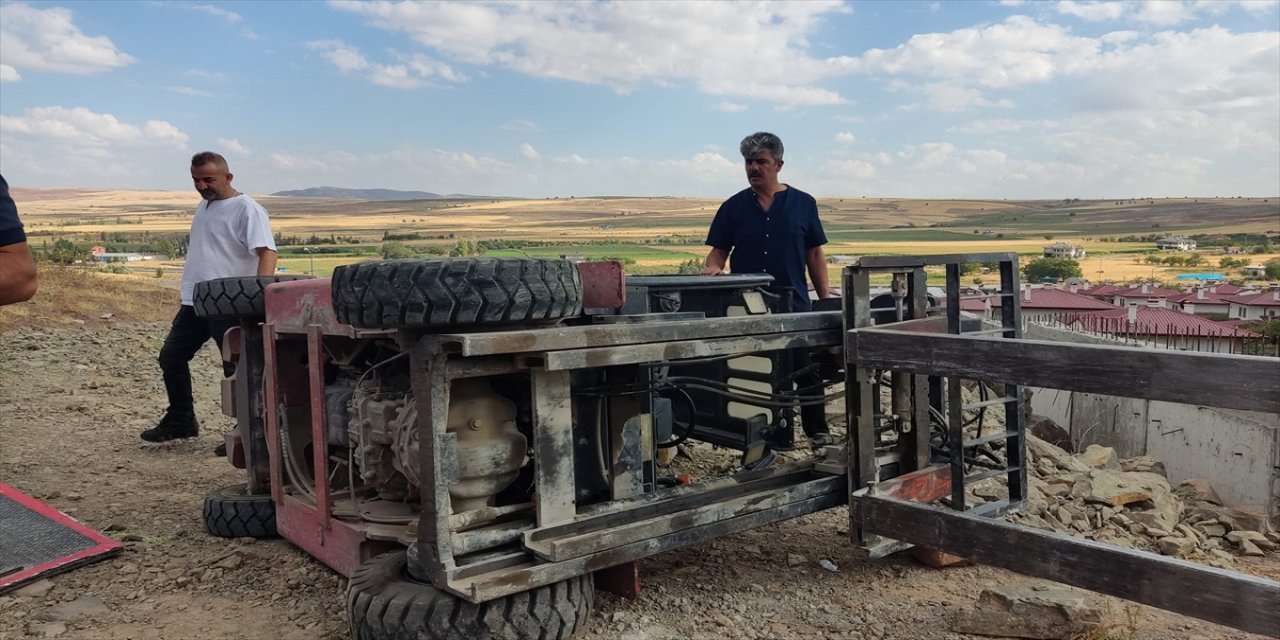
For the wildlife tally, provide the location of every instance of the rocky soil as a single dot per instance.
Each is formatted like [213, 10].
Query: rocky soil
[72, 401]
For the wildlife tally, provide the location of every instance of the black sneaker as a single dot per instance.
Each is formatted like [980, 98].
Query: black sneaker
[172, 427]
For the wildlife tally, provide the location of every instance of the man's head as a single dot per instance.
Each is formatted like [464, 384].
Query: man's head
[762, 152]
[211, 176]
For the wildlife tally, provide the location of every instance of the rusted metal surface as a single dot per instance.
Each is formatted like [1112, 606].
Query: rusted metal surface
[603, 285]
[673, 351]
[553, 447]
[431, 390]
[1251, 383]
[622, 581]
[271, 400]
[294, 305]
[319, 429]
[923, 486]
[339, 544]
[573, 546]
[1224, 597]
[604, 335]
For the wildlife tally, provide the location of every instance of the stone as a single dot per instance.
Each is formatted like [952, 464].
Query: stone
[37, 589]
[1144, 463]
[1049, 432]
[796, 560]
[82, 607]
[937, 559]
[1176, 546]
[1212, 529]
[1038, 612]
[46, 629]
[1257, 539]
[230, 562]
[1108, 487]
[1057, 489]
[1248, 548]
[1250, 519]
[1100, 457]
[1197, 490]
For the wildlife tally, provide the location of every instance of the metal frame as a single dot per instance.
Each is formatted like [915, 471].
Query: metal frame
[893, 514]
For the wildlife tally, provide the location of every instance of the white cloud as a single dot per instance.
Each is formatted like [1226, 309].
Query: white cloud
[87, 128]
[520, 124]
[844, 137]
[1164, 13]
[1092, 11]
[926, 156]
[529, 153]
[230, 16]
[216, 76]
[1012, 3]
[626, 45]
[47, 40]
[413, 71]
[9, 74]
[731, 107]
[188, 91]
[850, 168]
[573, 159]
[1002, 126]
[234, 146]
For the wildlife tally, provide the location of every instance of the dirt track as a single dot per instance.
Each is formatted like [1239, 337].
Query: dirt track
[72, 402]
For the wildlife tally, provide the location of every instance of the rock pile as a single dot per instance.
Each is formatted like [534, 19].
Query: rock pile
[1130, 503]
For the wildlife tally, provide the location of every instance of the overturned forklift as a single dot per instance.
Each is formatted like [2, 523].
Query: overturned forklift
[474, 442]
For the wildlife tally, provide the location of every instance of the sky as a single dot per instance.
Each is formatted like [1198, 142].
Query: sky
[960, 99]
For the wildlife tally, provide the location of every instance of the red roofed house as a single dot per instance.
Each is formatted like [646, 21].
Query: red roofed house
[1167, 328]
[1039, 304]
[1255, 306]
[1201, 301]
[1145, 294]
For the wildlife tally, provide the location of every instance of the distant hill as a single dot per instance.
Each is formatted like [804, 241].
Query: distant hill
[372, 195]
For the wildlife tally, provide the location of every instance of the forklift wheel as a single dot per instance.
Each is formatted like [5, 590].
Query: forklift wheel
[392, 294]
[243, 297]
[385, 602]
[232, 512]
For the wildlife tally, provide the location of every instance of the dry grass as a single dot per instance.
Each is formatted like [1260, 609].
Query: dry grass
[77, 297]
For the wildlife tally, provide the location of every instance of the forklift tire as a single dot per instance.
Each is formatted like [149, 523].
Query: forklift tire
[393, 294]
[234, 297]
[232, 512]
[384, 602]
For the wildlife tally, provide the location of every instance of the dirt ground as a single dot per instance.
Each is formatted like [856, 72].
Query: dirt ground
[73, 399]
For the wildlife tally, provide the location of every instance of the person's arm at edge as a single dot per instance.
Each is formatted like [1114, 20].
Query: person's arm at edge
[714, 264]
[17, 273]
[266, 261]
[816, 260]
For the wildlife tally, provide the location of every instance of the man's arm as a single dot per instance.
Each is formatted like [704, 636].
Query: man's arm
[266, 261]
[714, 264]
[817, 263]
[17, 273]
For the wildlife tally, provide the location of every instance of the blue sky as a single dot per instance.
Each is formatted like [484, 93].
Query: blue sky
[998, 99]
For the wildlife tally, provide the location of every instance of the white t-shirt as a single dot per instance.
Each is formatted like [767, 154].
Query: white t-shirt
[224, 236]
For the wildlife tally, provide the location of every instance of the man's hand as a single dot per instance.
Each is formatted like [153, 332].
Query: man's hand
[17, 273]
[715, 262]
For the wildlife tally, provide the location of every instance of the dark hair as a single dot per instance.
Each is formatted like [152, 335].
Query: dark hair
[761, 141]
[208, 157]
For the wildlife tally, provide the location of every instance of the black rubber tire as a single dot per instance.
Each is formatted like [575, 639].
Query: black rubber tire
[232, 512]
[383, 603]
[234, 297]
[391, 294]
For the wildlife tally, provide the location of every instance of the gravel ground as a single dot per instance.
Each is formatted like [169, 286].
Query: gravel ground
[72, 402]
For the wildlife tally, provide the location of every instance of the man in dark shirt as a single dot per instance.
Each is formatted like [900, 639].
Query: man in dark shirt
[17, 270]
[773, 228]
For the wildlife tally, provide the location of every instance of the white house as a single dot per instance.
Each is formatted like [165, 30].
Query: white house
[1250, 305]
[1176, 243]
[1254, 271]
[1064, 250]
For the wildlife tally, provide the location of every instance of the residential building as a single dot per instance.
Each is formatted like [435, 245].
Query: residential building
[1037, 304]
[1144, 294]
[1165, 328]
[1255, 305]
[1201, 301]
[1176, 243]
[1064, 250]
[1254, 271]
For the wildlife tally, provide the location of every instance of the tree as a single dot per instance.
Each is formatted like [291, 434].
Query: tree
[1052, 268]
[1194, 260]
[64, 251]
[396, 250]
[1273, 269]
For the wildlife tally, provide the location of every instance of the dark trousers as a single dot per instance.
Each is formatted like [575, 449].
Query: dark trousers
[813, 418]
[188, 333]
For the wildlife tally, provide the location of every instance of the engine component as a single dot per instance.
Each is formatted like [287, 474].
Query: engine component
[491, 450]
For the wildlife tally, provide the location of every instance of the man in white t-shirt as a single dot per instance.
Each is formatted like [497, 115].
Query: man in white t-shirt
[230, 237]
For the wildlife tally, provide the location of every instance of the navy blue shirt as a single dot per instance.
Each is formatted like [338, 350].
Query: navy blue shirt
[10, 227]
[775, 242]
